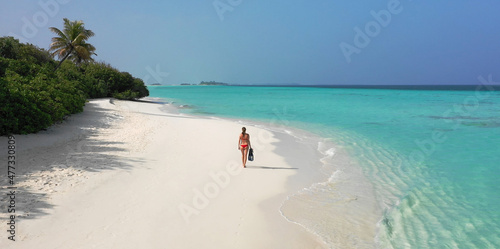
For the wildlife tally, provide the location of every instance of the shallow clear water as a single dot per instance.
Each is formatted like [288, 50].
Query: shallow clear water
[432, 156]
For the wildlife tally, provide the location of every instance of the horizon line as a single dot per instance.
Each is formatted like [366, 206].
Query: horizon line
[489, 87]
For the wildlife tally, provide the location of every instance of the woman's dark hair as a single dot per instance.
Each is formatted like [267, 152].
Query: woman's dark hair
[243, 130]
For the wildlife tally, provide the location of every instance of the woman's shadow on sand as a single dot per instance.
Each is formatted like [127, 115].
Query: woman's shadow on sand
[266, 167]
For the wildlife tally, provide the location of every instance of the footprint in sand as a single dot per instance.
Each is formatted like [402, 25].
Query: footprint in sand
[242, 217]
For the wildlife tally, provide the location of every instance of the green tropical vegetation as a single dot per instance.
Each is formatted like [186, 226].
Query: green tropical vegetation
[212, 83]
[37, 91]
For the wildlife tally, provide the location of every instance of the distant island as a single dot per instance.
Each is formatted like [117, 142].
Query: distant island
[212, 83]
[156, 84]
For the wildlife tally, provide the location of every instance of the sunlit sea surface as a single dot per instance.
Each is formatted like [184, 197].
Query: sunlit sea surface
[433, 157]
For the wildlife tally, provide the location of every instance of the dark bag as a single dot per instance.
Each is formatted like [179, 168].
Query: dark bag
[250, 155]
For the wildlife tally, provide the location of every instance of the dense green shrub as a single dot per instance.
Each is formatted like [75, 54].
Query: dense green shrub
[9, 47]
[4, 64]
[139, 87]
[33, 96]
[105, 81]
[19, 114]
[127, 95]
[33, 54]
[35, 101]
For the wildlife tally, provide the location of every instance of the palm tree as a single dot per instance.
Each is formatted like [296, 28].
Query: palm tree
[71, 43]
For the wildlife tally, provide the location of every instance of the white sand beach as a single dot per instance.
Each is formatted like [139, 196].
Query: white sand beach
[128, 175]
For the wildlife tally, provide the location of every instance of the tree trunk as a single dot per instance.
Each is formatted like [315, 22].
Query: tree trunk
[71, 50]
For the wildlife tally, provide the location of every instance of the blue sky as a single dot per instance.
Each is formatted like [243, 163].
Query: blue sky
[273, 42]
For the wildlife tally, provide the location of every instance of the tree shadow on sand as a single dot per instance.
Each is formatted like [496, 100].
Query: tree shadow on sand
[43, 171]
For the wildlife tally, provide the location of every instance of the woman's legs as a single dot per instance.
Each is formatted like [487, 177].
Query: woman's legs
[244, 156]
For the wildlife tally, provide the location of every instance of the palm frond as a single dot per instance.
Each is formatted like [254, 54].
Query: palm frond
[54, 47]
[58, 32]
[70, 43]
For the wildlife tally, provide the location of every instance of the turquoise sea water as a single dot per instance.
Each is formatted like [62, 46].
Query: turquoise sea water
[433, 157]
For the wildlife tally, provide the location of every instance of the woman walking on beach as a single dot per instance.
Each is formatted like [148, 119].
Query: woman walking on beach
[244, 145]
